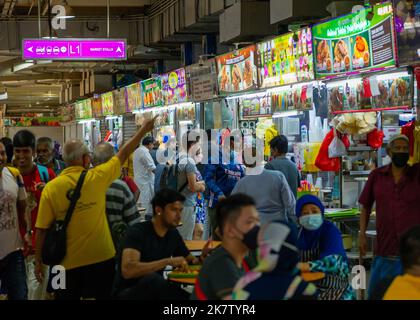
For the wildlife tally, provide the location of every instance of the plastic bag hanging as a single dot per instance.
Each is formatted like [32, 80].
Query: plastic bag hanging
[336, 148]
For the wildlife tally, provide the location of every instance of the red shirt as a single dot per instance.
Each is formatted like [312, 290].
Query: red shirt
[131, 184]
[30, 180]
[397, 206]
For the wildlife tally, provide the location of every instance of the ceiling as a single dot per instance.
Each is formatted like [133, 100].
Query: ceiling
[38, 87]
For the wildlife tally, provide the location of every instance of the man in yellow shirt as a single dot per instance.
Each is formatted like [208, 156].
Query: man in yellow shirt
[89, 264]
[407, 286]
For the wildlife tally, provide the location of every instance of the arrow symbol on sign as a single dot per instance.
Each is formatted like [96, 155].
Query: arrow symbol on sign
[119, 50]
[31, 49]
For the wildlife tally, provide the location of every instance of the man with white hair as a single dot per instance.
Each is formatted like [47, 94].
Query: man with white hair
[45, 155]
[120, 204]
[395, 190]
[89, 263]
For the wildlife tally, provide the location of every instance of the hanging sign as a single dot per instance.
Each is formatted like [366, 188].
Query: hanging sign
[133, 97]
[151, 91]
[74, 49]
[354, 43]
[174, 87]
[237, 71]
[286, 59]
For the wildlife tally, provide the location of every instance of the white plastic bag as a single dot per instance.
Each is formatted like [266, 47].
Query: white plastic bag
[336, 148]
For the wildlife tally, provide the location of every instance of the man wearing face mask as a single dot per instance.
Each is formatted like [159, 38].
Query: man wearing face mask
[395, 190]
[238, 222]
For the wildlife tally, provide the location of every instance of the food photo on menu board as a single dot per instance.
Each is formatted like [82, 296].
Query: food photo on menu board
[84, 109]
[283, 60]
[151, 90]
[174, 87]
[258, 106]
[68, 113]
[354, 43]
[97, 106]
[133, 97]
[108, 104]
[119, 101]
[407, 27]
[237, 71]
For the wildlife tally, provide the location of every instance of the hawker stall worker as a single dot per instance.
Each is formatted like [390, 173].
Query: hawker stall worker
[321, 250]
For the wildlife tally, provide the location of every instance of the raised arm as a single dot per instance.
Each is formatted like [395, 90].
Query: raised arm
[132, 144]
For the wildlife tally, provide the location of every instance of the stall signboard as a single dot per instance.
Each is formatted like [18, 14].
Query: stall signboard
[286, 59]
[174, 87]
[353, 43]
[133, 97]
[255, 107]
[67, 113]
[107, 104]
[151, 91]
[97, 106]
[237, 71]
[186, 113]
[84, 109]
[407, 27]
[119, 101]
[203, 88]
[202, 81]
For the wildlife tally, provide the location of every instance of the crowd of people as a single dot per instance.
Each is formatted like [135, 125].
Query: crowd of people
[269, 237]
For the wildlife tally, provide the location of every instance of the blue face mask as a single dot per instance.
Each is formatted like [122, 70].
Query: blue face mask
[311, 222]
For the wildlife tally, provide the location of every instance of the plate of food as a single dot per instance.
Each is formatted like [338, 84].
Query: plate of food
[323, 58]
[191, 273]
[341, 56]
[237, 77]
[224, 79]
[248, 73]
[361, 57]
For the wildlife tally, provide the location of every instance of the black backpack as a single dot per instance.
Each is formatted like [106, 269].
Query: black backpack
[169, 177]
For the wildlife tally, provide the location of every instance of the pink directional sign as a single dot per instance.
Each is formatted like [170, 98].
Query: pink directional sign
[74, 49]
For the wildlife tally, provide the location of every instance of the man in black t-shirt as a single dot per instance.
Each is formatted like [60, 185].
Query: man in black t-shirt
[151, 246]
[238, 222]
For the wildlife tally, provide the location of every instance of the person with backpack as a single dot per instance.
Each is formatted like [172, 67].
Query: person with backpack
[35, 177]
[12, 214]
[89, 260]
[121, 207]
[187, 183]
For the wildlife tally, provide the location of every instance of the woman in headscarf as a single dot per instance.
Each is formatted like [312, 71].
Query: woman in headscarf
[321, 250]
[276, 276]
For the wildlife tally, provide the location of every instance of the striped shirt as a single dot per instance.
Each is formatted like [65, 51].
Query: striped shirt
[121, 209]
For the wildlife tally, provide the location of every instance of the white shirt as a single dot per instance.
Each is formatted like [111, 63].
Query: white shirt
[143, 167]
[10, 239]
